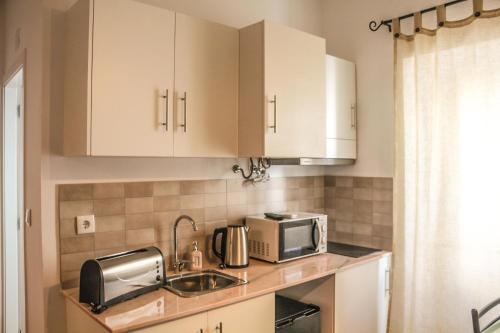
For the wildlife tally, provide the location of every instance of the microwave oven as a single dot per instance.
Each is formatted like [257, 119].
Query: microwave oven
[278, 241]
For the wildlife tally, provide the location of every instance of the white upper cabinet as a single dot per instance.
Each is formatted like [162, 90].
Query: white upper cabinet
[206, 88]
[340, 108]
[282, 92]
[121, 95]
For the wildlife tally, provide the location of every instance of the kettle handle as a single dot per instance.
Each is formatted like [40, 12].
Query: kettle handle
[222, 252]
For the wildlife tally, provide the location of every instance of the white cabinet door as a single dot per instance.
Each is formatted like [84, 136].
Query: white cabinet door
[192, 324]
[294, 86]
[362, 298]
[340, 108]
[132, 73]
[206, 85]
[255, 315]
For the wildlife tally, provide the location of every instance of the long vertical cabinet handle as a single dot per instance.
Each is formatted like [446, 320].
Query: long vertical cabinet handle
[353, 115]
[387, 280]
[218, 328]
[184, 99]
[166, 110]
[274, 111]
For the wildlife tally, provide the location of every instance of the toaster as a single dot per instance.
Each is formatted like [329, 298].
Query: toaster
[119, 277]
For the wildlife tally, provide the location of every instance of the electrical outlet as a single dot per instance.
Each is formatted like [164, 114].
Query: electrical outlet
[85, 224]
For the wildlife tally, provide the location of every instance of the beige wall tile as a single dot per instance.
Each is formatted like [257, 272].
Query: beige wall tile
[275, 196]
[109, 240]
[363, 182]
[138, 190]
[344, 192]
[319, 181]
[277, 183]
[382, 219]
[215, 213]
[363, 211]
[330, 192]
[74, 192]
[215, 199]
[215, 186]
[292, 182]
[77, 244]
[72, 209]
[107, 252]
[256, 197]
[278, 206]
[319, 192]
[306, 205]
[235, 185]
[382, 243]
[362, 240]
[236, 212]
[138, 205]
[362, 229]
[343, 226]
[305, 182]
[341, 237]
[344, 204]
[329, 181]
[306, 193]
[363, 193]
[109, 223]
[192, 187]
[74, 261]
[382, 195]
[67, 228]
[192, 201]
[382, 183]
[382, 231]
[166, 203]
[108, 207]
[108, 190]
[161, 189]
[140, 236]
[197, 214]
[344, 182]
[165, 218]
[140, 221]
[236, 198]
[70, 279]
[384, 207]
[256, 209]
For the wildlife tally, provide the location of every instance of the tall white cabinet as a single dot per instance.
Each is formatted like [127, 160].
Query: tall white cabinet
[362, 295]
[282, 92]
[144, 81]
[341, 109]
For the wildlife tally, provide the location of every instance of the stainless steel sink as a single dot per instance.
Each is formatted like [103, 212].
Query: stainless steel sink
[195, 284]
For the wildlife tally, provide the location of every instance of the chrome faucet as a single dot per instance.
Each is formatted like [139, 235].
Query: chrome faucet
[179, 263]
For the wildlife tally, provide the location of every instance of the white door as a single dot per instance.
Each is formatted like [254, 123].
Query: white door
[206, 85]
[362, 298]
[13, 287]
[132, 79]
[294, 92]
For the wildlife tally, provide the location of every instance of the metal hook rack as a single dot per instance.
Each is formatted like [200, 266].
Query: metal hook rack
[257, 172]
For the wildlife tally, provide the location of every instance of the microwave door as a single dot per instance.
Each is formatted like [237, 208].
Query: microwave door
[298, 239]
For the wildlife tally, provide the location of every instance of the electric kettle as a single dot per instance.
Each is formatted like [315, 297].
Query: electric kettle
[233, 246]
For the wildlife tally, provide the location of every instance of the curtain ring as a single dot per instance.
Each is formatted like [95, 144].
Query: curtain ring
[477, 7]
[396, 27]
[441, 15]
[417, 21]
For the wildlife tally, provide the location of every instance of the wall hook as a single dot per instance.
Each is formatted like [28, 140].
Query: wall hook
[257, 172]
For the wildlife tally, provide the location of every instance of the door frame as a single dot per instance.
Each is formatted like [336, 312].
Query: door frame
[11, 71]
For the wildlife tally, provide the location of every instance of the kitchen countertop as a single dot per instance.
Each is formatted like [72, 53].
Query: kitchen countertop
[162, 306]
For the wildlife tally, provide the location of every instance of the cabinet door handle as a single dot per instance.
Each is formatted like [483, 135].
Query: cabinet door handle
[218, 328]
[201, 330]
[353, 115]
[184, 99]
[166, 110]
[387, 280]
[274, 111]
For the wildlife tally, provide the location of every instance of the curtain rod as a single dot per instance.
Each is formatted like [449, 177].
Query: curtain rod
[374, 26]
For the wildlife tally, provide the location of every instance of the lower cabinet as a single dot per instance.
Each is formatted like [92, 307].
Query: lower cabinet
[362, 296]
[254, 315]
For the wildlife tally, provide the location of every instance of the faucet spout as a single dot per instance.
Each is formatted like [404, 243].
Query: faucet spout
[179, 264]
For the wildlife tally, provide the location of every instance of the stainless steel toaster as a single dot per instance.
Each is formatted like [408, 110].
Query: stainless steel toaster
[116, 278]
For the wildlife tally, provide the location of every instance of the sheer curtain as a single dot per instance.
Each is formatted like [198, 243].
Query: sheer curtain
[447, 180]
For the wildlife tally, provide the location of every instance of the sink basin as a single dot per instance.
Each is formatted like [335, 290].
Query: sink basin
[204, 282]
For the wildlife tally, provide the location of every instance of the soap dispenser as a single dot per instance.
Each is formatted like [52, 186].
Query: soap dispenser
[196, 258]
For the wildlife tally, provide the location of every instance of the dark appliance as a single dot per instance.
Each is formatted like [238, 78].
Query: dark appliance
[296, 317]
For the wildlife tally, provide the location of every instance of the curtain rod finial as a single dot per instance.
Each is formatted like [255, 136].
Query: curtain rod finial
[374, 26]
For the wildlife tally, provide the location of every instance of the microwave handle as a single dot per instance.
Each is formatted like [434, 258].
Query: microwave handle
[316, 244]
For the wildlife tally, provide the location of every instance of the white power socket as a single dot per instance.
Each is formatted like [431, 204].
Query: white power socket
[85, 224]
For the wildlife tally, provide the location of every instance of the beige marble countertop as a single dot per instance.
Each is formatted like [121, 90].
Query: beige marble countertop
[162, 306]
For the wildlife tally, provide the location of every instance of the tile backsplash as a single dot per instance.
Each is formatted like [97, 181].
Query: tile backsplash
[137, 214]
[359, 210]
